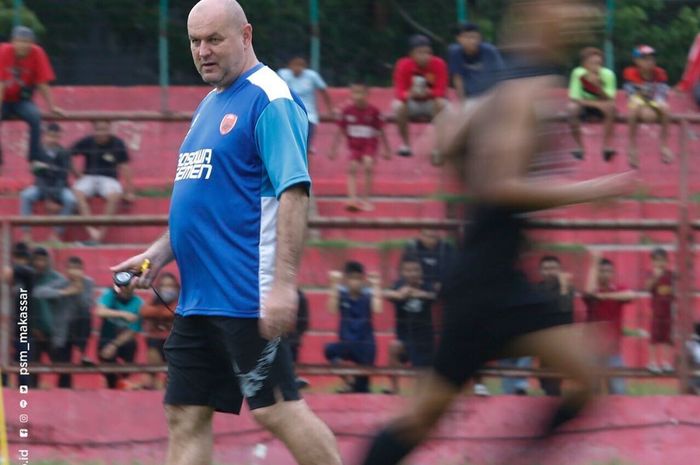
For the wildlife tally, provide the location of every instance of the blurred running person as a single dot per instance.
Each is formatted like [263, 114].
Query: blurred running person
[237, 224]
[362, 125]
[490, 309]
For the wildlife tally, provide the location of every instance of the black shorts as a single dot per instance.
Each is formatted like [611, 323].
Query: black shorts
[482, 317]
[217, 361]
[360, 352]
[591, 114]
[418, 351]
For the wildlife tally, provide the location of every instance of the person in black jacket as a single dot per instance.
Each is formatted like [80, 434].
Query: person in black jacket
[50, 166]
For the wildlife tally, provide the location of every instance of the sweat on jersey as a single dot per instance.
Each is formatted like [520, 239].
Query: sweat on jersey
[246, 146]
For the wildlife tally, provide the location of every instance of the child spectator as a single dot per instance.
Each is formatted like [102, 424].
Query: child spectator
[355, 301]
[362, 125]
[50, 165]
[605, 300]
[592, 90]
[415, 335]
[420, 87]
[305, 82]
[158, 321]
[647, 88]
[119, 310]
[661, 286]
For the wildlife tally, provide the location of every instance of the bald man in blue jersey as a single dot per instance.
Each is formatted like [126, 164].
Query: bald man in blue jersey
[236, 229]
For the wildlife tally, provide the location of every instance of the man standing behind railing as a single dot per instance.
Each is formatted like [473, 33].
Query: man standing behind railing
[24, 67]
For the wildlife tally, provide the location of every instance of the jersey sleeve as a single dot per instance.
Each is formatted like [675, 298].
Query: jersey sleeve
[44, 71]
[378, 122]
[105, 299]
[609, 83]
[281, 134]
[6, 59]
[402, 79]
[319, 83]
[441, 78]
[454, 59]
[79, 147]
[575, 87]
[122, 154]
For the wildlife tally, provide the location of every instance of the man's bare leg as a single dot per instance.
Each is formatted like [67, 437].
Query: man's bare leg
[191, 439]
[309, 440]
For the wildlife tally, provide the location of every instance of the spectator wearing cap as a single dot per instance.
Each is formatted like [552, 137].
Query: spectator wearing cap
[24, 67]
[50, 167]
[420, 87]
[474, 64]
[592, 89]
[647, 88]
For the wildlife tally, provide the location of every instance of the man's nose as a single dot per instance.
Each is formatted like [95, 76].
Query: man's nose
[203, 50]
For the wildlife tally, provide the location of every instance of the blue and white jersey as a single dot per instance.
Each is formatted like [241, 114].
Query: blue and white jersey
[245, 147]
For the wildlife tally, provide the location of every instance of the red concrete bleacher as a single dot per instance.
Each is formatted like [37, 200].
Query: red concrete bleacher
[404, 188]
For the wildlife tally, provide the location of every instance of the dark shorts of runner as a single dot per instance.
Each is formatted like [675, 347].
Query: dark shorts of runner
[482, 316]
[217, 361]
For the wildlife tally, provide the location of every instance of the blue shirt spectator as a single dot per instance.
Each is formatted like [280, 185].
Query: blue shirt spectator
[474, 64]
[356, 316]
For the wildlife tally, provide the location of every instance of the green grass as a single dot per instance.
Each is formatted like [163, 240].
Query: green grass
[155, 192]
[559, 247]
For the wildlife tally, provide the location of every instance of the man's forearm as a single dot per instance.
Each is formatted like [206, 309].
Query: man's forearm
[161, 250]
[291, 231]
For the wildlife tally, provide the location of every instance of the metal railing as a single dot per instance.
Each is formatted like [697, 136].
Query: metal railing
[684, 227]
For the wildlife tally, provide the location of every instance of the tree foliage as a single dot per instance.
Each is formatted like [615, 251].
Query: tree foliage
[360, 39]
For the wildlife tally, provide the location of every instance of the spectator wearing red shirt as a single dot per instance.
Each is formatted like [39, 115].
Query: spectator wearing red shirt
[362, 125]
[420, 87]
[661, 286]
[25, 67]
[605, 300]
[647, 89]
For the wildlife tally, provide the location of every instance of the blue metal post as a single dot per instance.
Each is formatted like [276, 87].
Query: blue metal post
[315, 53]
[163, 72]
[462, 11]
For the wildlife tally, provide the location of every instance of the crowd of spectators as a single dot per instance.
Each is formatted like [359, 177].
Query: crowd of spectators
[67, 310]
[67, 306]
